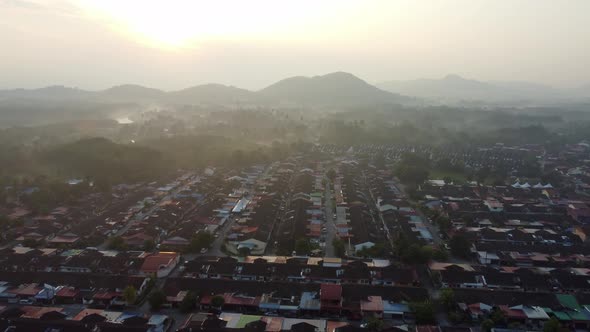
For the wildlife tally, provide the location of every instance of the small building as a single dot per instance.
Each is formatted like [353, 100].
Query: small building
[159, 264]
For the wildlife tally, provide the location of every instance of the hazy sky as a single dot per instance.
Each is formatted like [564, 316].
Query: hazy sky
[172, 44]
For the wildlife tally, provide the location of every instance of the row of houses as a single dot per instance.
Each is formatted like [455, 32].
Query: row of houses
[302, 270]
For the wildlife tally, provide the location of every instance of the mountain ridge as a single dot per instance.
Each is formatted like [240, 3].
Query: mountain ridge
[338, 88]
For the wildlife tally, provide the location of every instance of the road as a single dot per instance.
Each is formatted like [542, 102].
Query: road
[329, 224]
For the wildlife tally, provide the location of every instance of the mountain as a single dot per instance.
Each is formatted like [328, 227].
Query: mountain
[131, 93]
[211, 94]
[55, 92]
[457, 88]
[335, 89]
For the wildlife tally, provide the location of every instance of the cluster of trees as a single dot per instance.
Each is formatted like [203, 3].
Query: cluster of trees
[460, 246]
[339, 247]
[199, 241]
[412, 169]
[378, 250]
[414, 253]
[106, 162]
[423, 312]
[117, 243]
[304, 246]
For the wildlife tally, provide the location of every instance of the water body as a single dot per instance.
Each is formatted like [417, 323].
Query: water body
[124, 120]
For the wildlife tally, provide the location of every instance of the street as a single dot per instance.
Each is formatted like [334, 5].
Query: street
[329, 223]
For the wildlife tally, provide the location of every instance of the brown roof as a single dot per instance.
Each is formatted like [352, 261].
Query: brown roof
[153, 262]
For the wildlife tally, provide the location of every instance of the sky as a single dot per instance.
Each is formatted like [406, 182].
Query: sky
[174, 44]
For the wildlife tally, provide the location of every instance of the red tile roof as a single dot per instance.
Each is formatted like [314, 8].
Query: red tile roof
[331, 292]
[67, 292]
[152, 263]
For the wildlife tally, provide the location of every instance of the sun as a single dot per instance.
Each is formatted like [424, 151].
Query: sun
[182, 23]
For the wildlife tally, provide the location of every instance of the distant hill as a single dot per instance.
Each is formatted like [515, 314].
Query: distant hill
[211, 94]
[131, 93]
[332, 89]
[55, 92]
[454, 87]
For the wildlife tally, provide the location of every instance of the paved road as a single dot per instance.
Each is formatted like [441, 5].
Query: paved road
[329, 224]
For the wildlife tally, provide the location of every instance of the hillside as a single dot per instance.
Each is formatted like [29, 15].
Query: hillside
[211, 94]
[131, 93]
[332, 89]
[454, 87]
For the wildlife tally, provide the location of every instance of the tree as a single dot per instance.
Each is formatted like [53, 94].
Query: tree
[149, 245]
[31, 243]
[551, 325]
[339, 247]
[414, 253]
[303, 247]
[447, 298]
[244, 251]
[117, 243]
[200, 241]
[374, 324]
[130, 295]
[413, 169]
[440, 255]
[188, 303]
[331, 174]
[217, 301]
[487, 325]
[497, 316]
[460, 246]
[156, 299]
[424, 312]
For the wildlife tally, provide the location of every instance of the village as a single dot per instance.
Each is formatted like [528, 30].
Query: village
[336, 239]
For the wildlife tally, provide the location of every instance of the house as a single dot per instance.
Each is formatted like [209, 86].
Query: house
[254, 246]
[364, 245]
[372, 306]
[176, 242]
[159, 264]
[137, 240]
[68, 240]
[331, 298]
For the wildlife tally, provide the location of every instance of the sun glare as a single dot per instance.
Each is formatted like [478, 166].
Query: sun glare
[183, 23]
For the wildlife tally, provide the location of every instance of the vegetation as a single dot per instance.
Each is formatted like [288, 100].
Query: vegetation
[487, 325]
[447, 298]
[104, 161]
[189, 302]
[149, 245]
[412, 169]
[552, 325]
[130, 295]
[217, 301]
[339, 247]
[374, 324]
[460, 246]
[412, 253]
[424, 312]
[200, 241]
[378, 250]
[156, 299]
[304, 247]
[117, 243]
